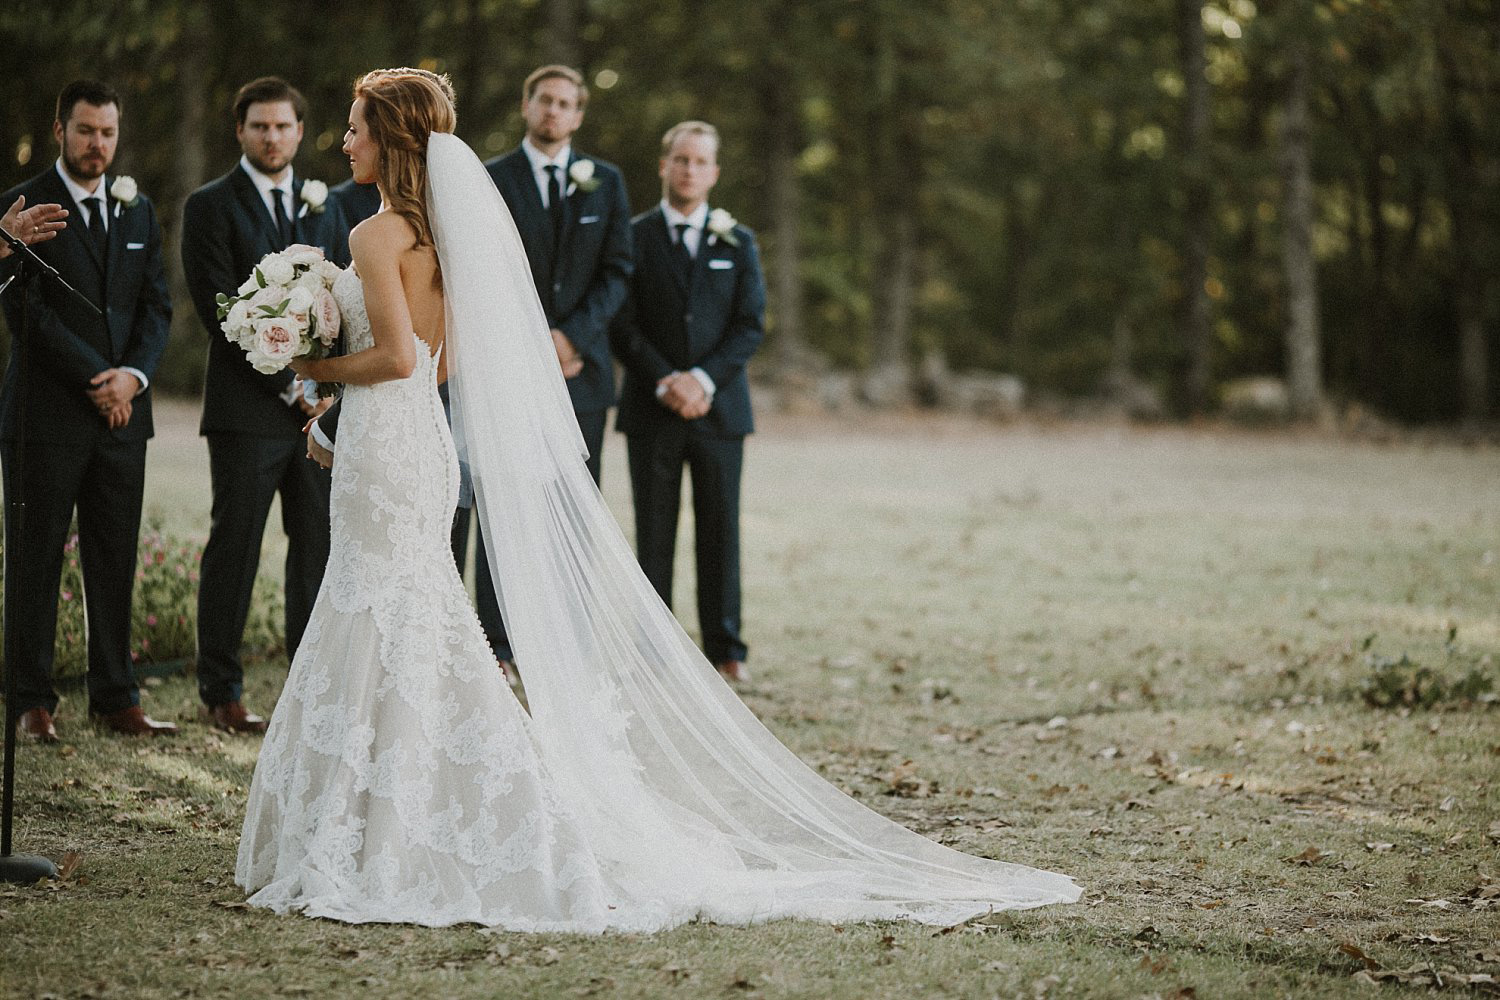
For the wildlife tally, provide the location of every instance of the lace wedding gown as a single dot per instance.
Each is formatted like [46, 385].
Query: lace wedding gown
[400, 780]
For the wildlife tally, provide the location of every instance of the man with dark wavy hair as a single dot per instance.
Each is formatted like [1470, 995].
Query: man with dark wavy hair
[88, 417]
[253, 422]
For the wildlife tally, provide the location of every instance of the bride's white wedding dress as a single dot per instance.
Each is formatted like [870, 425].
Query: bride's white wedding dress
[401, 781]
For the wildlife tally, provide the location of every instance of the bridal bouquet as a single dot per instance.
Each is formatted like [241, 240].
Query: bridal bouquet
[284, 310]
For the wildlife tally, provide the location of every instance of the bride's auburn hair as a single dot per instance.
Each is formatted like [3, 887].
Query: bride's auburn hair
[402, 108]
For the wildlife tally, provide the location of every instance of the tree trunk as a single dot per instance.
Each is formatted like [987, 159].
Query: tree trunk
[784, 193]
[562, 32]
[895, 175]
[894, 278]
[1304, 367]
[191, 162]
[1469, 293]
[1196, 311]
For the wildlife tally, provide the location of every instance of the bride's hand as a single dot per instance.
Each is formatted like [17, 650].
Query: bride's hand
[315, 451]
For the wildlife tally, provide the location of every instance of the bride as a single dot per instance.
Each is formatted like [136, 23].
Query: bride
[400, 780]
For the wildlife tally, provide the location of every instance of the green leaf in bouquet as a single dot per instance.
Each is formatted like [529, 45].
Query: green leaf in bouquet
[260, 279]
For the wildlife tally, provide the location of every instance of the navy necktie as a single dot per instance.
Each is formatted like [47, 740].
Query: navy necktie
[555, 196]
[96, 225]
[681, 253]
[283, 224]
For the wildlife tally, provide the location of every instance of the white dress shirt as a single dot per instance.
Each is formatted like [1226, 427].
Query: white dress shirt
[81, 195]
[540, 163]
[692, 238]
[265, 185]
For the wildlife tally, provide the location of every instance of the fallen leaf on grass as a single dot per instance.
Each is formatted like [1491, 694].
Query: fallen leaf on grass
[903, 782]
[1309, 857]
[69, 867]
[1355, 951]
[1154, 964]
[1379, 848]
[1431, 904]
[232, 904]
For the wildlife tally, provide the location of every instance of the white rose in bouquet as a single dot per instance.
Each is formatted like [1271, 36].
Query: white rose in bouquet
[277, 269]
[250, 285]
[275, 344]
[299, 300]
[269, 297]
[302, 254]
[327, 270]
[238, 320]
[326, 320]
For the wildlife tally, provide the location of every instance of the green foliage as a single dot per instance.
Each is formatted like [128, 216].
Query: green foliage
[164, 606]
[1035, 149]
[1396, 683]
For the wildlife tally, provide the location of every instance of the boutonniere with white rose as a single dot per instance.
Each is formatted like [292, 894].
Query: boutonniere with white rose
[721, 226]
[125, 194]
[314, 198]
[581, 173]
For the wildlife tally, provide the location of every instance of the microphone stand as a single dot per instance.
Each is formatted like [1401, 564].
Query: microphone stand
[24, 868]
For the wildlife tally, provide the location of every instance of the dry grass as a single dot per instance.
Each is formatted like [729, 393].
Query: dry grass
[1132, 655]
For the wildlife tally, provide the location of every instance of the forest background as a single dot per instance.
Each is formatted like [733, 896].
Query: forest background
[1130, 201]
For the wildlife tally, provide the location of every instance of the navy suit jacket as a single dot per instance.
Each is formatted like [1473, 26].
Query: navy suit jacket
[582, 277]
[715, 321]
[358, 201]
[226, 230]
[69, 343]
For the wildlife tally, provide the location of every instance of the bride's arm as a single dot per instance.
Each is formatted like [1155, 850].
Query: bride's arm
[376, 246]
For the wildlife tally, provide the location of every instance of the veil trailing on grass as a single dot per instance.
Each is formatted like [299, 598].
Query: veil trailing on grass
[692, 807]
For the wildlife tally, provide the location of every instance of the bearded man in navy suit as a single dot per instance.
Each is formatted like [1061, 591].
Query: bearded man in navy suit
[85, 426]
[574, 218]
[693, 321]
[253, 422]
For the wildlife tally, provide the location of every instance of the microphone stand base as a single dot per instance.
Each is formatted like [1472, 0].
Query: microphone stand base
[26, 868]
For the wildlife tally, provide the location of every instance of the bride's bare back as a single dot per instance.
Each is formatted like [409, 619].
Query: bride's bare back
[403, 289]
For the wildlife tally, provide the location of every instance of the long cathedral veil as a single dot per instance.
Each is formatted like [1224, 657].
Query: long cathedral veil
[690, 804]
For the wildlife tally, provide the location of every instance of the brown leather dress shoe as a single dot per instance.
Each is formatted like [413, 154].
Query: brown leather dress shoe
[734, 670]
[232, 717]
[36, 724]
[134, 722]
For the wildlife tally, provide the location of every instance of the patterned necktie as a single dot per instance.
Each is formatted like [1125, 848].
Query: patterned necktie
[283, 224]
[555, 196]
[681, 254]
[96, 225]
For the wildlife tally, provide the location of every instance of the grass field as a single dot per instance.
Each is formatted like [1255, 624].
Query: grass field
[1134, 655]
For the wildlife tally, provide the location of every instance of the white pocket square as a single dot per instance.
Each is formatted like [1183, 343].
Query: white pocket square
[720, 264]
[135, 246]
[585, 220]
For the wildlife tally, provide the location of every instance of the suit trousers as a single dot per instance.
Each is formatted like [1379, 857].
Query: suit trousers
[486, 601]
[246, 473]
[715, 463]
[105, 481]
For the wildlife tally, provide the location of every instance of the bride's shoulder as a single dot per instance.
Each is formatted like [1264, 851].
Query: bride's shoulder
[384, 234]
